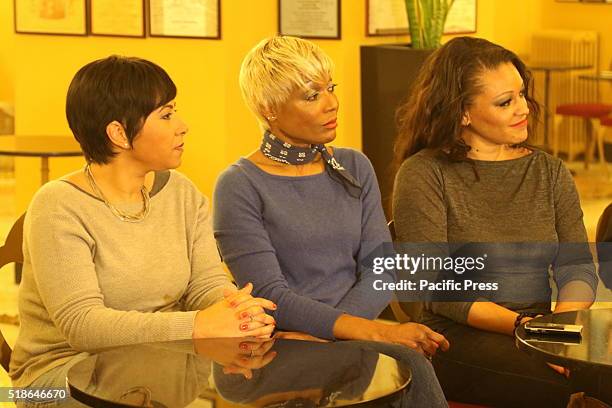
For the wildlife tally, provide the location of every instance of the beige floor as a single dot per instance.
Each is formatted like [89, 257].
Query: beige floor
[594, 188]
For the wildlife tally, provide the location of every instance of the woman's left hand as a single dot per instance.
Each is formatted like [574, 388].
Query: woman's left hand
[247, 306]
[238, 315]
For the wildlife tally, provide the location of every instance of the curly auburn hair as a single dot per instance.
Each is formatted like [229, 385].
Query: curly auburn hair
[442, 92]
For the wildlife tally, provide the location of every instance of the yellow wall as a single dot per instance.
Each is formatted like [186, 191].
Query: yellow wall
[205, 71]
[35, 71]
[7, 66]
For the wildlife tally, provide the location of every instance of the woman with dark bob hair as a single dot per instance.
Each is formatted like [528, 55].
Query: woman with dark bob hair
[108, 247]
[466, 175]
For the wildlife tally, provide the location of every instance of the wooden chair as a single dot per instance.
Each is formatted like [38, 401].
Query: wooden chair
[603, 240]
[604, 226]
[5, 353]
[605, 123]
[404, 311]
[11, 251]
[590, 113]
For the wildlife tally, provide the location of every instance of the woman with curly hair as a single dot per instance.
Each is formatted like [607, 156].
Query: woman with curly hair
[465, 174]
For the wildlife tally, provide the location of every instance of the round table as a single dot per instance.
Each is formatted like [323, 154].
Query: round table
[592, 349]
[589, 356]
[40, 146]
[192, 374]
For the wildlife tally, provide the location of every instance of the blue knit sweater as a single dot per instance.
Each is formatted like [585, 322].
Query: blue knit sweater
[302, 241]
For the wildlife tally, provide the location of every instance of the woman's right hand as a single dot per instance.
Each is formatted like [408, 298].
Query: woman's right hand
[238, 315]
[416, 336]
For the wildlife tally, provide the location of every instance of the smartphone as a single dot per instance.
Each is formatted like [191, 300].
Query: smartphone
[553, 328]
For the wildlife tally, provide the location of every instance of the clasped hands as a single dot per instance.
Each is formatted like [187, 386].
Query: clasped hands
[238, 315]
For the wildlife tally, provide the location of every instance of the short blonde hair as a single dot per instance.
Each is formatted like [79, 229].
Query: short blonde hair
[275, 68]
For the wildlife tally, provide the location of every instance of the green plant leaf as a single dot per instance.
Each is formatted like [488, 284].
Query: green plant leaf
[426, 19]
[413, 23]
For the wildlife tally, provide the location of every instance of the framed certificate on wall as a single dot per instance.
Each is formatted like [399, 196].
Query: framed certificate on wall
[185, 18]
[58, 17]
[309, 18]
[121, 18]
[388, 17]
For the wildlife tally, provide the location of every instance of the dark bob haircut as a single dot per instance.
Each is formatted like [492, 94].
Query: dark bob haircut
[122, 89]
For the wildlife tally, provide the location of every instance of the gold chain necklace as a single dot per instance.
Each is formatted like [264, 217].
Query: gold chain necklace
[146, 203]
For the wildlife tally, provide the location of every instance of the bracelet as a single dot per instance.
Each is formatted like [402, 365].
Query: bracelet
[523, 315]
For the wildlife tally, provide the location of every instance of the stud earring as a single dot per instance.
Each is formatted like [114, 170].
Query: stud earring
[271, 118]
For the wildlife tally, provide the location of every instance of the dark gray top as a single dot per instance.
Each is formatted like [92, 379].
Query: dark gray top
[530, 199]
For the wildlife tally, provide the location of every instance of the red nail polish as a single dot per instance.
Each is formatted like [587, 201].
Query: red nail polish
[244, 315]
[244, 326]
[274, 306]
[244, 346]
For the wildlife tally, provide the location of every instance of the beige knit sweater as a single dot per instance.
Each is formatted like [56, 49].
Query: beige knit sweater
[91, 280]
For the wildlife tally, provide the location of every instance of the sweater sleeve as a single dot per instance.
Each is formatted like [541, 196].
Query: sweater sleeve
[62, 255]
[208, 279]
[574, 260]
[419, 211]
[247, 250]
[361, 300]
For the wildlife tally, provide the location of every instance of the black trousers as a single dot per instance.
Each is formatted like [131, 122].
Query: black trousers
[487, 368]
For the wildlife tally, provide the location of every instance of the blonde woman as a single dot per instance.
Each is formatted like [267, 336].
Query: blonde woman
[298, 218]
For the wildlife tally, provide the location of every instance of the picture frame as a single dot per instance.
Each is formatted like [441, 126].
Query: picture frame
[51, 17]
[117, 18]
[314, 19]
[199, 19]
[388, 18]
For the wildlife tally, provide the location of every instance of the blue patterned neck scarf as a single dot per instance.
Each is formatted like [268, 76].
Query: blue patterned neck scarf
[275, 149]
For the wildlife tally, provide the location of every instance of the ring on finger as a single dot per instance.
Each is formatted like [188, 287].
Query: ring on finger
[251, 354]
[252, 318]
